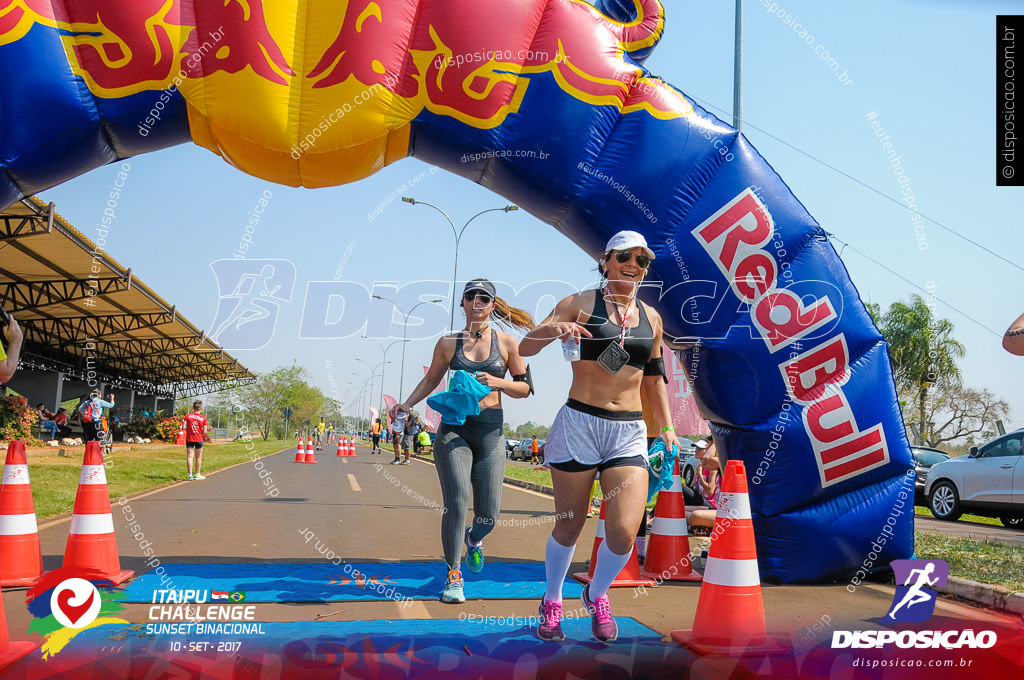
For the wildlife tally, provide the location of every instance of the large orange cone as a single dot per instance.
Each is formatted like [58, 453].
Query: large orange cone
[300, 452]
[310, 453]
[730, 610]
[668, 546]
[91, 542]
[351, 447]
[10, 651]
[180, 439]
[342, 448]
[21, 561]
[630, 574]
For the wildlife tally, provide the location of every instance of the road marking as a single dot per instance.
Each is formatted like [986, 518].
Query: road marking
[353, 482]
[413, 610]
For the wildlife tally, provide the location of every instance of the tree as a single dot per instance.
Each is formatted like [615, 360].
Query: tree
[530, 429]
[922, 350]
[266, 398]
[956, 412]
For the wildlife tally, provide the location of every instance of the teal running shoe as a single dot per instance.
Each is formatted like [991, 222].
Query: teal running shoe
[474, 555]
[453, 588]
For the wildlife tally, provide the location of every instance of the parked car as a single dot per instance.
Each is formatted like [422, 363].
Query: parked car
[509, 445]
[989, 481]
[924, 459]
[521, 451]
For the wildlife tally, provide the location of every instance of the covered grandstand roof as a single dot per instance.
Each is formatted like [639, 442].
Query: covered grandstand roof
[82, 311]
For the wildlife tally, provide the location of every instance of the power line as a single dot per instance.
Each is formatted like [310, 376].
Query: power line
[914, 285]
[865, 185]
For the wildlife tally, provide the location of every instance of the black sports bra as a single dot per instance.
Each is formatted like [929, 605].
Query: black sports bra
[493, 364]
[639, 341]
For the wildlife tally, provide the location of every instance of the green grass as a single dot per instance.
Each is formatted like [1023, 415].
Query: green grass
[130, 470]
[965, 518]
[982, 561]
[529, 474]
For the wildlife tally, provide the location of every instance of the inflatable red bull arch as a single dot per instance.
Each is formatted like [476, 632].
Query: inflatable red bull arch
[785, 360]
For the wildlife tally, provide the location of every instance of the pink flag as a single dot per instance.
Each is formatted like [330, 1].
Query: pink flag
[431, 417]
[374, 414]
[390, 402]
[685, 416]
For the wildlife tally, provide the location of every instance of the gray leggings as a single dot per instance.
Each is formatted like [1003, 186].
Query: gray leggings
[469, 456]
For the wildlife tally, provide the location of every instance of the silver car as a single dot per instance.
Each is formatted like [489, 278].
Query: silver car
[989, 481]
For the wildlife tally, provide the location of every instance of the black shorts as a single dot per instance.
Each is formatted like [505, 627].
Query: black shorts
[376, 439]
[198, 446]
[576, 466]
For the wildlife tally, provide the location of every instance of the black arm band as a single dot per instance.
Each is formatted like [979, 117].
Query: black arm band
[656, 367]
[525, 377]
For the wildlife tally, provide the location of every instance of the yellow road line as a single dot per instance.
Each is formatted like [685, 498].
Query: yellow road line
[353, 482]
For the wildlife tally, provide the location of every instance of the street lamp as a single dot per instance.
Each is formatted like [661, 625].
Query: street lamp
[458, 237]
[405, 328]
[385, 361]
[373, 372]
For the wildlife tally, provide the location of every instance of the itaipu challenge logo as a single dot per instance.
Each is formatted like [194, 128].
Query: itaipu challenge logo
[68, 601]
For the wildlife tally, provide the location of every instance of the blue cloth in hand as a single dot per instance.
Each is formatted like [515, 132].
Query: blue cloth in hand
[668, 465]
[462, 399]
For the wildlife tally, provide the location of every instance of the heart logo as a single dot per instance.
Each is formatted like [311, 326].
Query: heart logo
[74, 613]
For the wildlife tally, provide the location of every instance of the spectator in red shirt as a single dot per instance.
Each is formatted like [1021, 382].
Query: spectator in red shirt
[195, 432]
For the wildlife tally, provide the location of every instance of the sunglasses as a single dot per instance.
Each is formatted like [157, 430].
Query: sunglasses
[482, 298]
[624, 256]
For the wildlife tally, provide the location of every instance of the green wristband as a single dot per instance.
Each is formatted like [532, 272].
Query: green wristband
[668, 429]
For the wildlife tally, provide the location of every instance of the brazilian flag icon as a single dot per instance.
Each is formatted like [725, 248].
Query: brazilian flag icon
[237, 596]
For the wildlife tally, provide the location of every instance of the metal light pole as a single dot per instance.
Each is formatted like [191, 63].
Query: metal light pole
[458, 237]
[373, 372]
[384, 361]
[737, 79]
[405, 328]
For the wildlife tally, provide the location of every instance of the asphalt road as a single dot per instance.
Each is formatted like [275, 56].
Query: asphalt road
[355, 507]
[973, 530]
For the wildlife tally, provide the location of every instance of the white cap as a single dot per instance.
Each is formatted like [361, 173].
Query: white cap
[701, 444]
[624, 240]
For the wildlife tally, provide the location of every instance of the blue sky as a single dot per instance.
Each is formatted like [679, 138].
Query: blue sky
[925, 69]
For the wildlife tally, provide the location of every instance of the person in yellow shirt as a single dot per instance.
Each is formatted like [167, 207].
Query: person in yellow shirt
[9, 359]
[375, 435]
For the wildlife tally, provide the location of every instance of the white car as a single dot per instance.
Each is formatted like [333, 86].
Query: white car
[989, 481]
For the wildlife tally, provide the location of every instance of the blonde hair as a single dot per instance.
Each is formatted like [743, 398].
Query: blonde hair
[512, 316]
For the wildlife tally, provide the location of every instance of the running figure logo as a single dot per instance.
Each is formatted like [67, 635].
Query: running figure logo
[251, 293]
[914, 601]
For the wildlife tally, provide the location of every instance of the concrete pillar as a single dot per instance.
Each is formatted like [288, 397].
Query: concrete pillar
[38, 386]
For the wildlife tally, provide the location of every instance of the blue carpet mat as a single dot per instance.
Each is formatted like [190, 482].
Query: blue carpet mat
[330, 583]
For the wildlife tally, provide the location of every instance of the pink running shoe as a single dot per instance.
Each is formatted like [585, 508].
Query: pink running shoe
[550, 627]
[602, 623]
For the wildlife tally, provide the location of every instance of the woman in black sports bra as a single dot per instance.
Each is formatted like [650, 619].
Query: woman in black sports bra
[471, 456]
[601, 427]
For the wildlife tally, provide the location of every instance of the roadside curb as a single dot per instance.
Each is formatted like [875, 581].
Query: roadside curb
[986, 595]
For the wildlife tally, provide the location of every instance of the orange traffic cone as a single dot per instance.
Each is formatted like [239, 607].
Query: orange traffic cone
[180, 439]
[668, 547]
[10, 651]
[300, 452]
[310, 453]
[21, 561]
[351, 447]
[91, 541]
[730, 610]
[342, 448]
[630, 574]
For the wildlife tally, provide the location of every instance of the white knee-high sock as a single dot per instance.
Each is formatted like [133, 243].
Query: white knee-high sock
[607, 568]
[557, 558]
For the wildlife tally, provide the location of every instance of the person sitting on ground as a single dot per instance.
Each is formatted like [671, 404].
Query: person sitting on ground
[61, 418]
[709, 479]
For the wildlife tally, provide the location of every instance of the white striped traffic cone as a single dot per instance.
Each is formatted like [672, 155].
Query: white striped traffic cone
[730, 609]
[668, 547]
[91, 541]
[21, 561]
[10, 651]
[310, 453]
